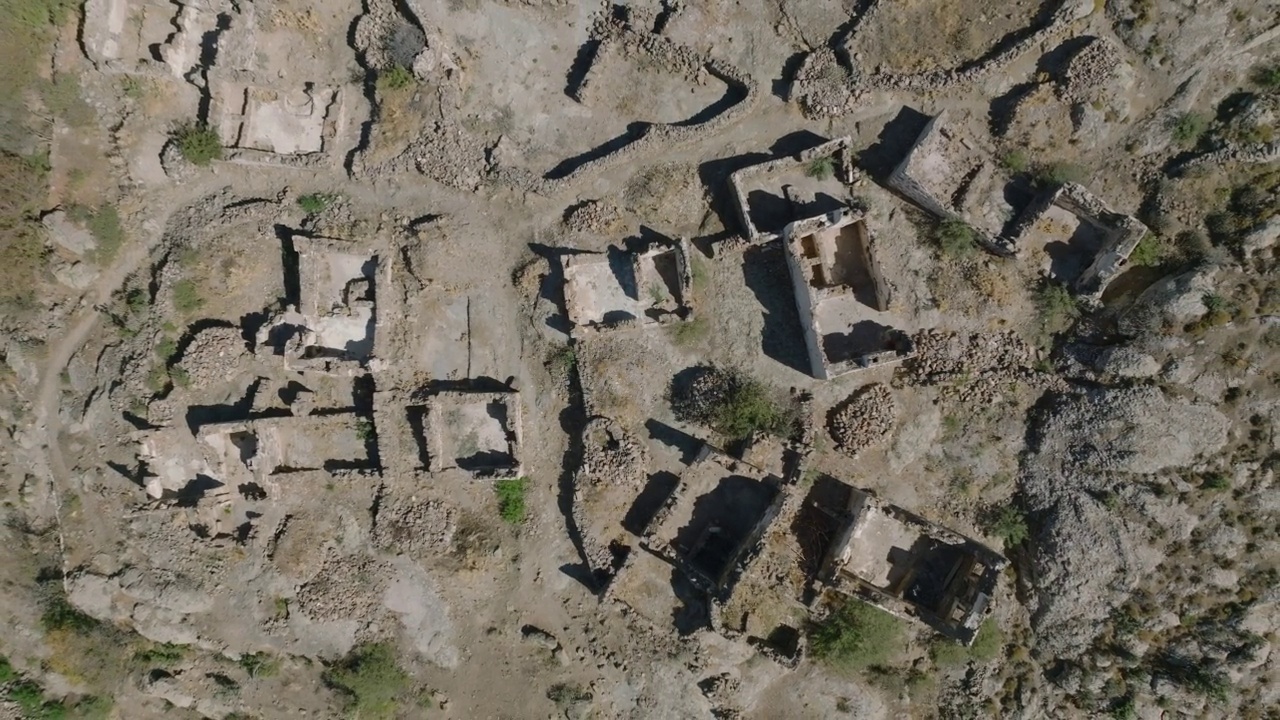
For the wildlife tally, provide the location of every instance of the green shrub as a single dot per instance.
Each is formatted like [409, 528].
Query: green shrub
[259, 665]
[1215, 303]
[562, 360]
[30, 697]
[855, 636]
[1216, 481]
[1267, 77]
[104, 224]
[986, 646]
[371, 680]
[199, 144]
[1015, 161]
[955, 238]
[1149, 252]
[60, 614]
[364, 429]
[821, 168]
[1187, 128]
[7, 672]
[180, 376]
[160, 654]
[1056, 174]
[396, 77]
[748, 409]
[1123, 708]
[166, 348]
[511, 498]
[1009, 524]
[186, 296]
[94, 707]
[731, 403]
[315, 202]
[1056, 308]
[689, 332]
[989, 641]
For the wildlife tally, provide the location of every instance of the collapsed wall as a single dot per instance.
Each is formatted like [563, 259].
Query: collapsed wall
[830, 83]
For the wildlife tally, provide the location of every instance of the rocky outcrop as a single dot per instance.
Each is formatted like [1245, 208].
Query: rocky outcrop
[1086, 558]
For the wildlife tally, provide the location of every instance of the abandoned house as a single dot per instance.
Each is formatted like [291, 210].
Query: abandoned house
[712, 521]
[700, 541]
[265, 121]
[840, 294]
[950, 173]
[772, 194]
[1085, 243]
[251, 453]
[909, 567]
[624, 289]
[332, 327]
[476, 434]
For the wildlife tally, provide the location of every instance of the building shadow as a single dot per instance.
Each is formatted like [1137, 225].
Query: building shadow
[764, 271]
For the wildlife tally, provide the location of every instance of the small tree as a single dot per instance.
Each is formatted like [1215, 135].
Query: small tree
[1057, 174]
[198, 143]
[1057, 308]
[1009, 524]
[1267, 77]
[855, 636]
[395, 77]
[1149, 252]
[371, 679]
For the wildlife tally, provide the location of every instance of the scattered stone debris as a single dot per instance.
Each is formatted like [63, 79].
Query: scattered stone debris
[863, 420]
[595, 217]
[975, 367]
[415, 526]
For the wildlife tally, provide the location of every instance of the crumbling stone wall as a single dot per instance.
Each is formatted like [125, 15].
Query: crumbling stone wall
[839, 148]
[831, 82]
[1122, 233]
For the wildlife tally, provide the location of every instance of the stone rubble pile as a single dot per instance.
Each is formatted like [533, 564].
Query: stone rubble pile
[976, 368]
[414, 525]
[611, 456]
[1089, 70]
[213, 354]
[864, 420]
[593, 216]
[346, 588]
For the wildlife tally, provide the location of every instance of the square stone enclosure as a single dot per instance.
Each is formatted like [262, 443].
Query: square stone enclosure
[712, 523]
[910, 567]
[477, 433]
[297, 121]
[772, 194]
[621, 289]
[841, 296]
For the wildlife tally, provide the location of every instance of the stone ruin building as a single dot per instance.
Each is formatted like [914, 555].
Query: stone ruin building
[332, 327]
[1084, 242]
[909, 567]
[951, 174]
[772, 194]
[840, 294]
[468, 433]
[708, 531]
[621, 289]
[242, 66]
